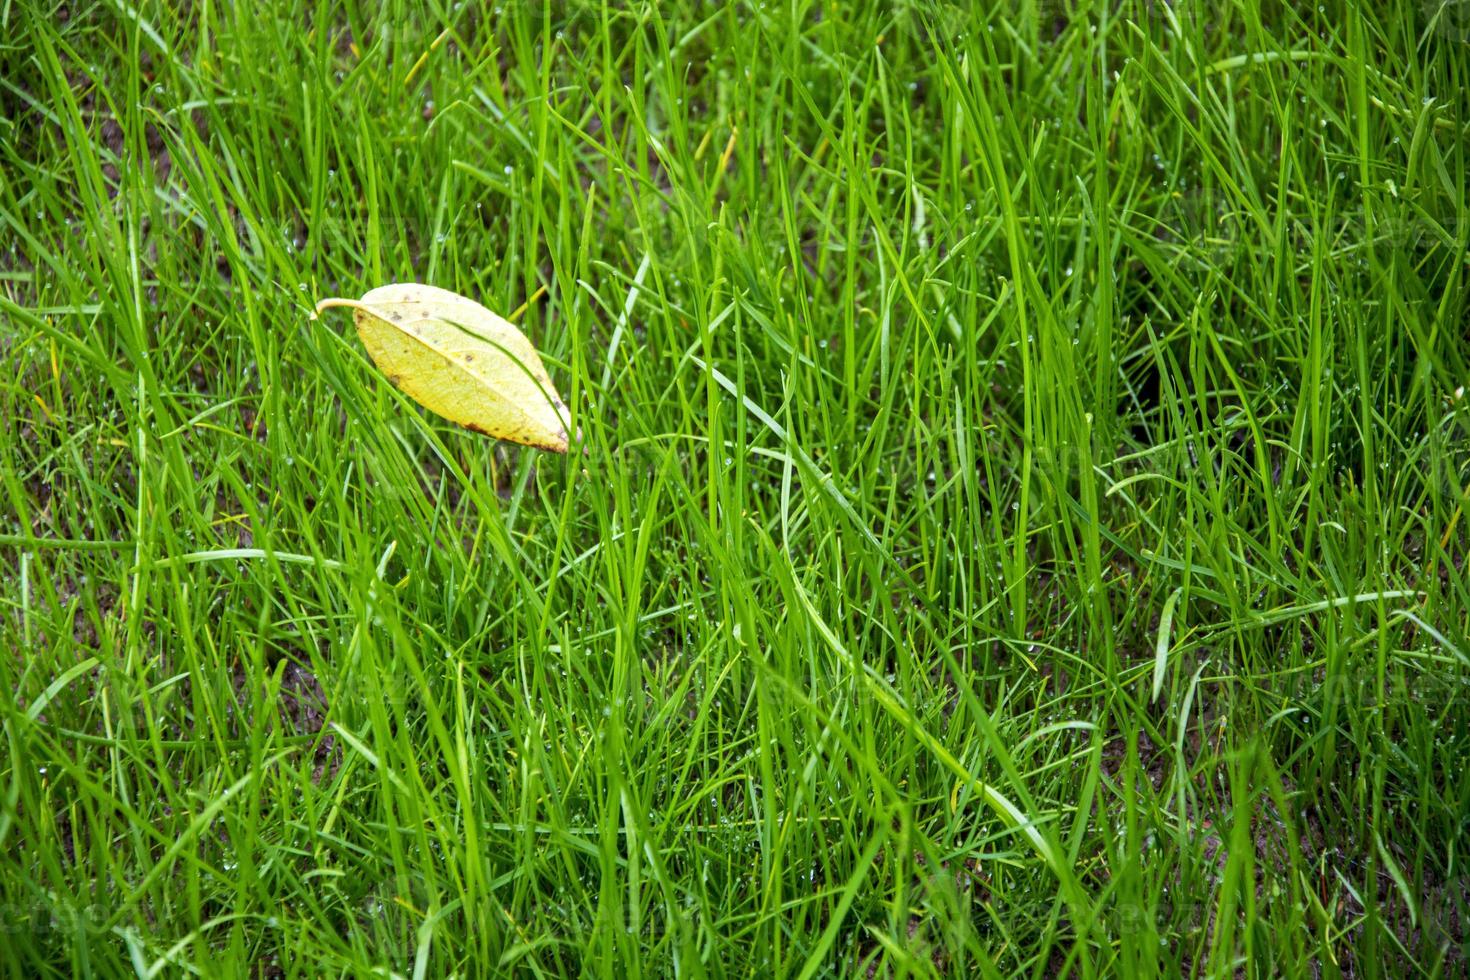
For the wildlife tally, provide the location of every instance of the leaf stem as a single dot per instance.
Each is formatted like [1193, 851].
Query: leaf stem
[334, 301]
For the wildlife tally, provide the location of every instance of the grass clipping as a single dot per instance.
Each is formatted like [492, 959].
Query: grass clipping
[460, 361]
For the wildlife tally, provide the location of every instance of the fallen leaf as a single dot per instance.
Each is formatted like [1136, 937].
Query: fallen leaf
[461, 361]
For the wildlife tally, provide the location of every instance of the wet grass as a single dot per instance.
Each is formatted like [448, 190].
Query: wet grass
[1018, 528]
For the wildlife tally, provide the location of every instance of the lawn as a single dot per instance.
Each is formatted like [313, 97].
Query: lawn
[1017, 528]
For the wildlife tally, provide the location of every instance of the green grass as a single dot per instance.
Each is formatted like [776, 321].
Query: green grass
[1019, 527]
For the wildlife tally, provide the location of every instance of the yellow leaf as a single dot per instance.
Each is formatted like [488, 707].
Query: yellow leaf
[459, 360]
